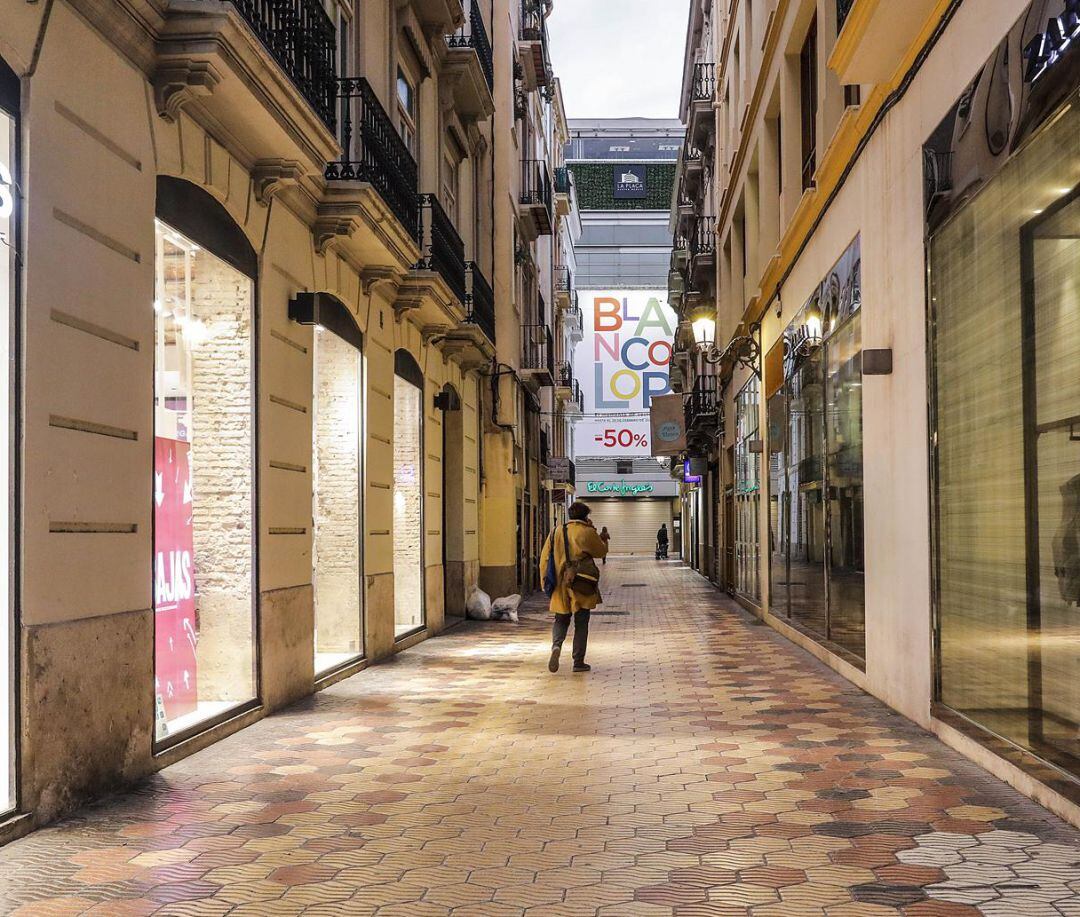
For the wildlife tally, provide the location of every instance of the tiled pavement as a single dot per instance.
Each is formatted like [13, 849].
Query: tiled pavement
[705, 767]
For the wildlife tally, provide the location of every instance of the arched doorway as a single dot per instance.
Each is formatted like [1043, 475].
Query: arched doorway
[410, 612]
[453, 502]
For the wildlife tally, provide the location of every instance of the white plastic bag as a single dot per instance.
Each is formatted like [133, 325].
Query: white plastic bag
[478, 605]
[506, 608]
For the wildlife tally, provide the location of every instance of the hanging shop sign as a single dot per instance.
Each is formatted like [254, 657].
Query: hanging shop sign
[668, 422]
[175, 630]
[1003, 105]
[630, 184]
[693, 470]
[623, 362]
[619, 488]
[561, 470]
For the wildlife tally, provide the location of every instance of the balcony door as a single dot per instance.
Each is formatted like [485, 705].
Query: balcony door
[453, 503]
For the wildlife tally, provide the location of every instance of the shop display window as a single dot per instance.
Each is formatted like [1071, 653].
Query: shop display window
[748, 491]
[1005, 344]
[408, 500]
[204, 646]
[9, 213]
[337, 562]
[816, 466]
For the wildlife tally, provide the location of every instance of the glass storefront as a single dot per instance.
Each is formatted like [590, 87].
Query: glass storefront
[204, 646]
[816, 473]
[1005, 342]
[9, 97]
[408, 497]
[336, 556]
[748, 491]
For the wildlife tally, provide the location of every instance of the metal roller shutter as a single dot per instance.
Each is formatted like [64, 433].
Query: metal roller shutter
[632, 523]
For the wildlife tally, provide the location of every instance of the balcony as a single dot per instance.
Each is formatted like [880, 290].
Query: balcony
[702, 120]
[438, 16]
[533, 55]
[535, 199]
[693, 171]
[573, 325]
[470, 66]
[564, 286]
[702, 410]
[480, 301]
[441, 248]
[376, 155]
[703, 253]
[564, 191]
[472, 342]
[874, 39]
[568, 391]
[537, 356]
[261, 72]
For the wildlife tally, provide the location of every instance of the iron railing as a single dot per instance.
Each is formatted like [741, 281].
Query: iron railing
[441, 247]
[704, 82]
[300, 36]
[473, 34]
[703, 237]
[702, 404]
[534, 30]
[536, 184]
[564, 279]
[564, 378]
[375, 153]
[562, 180]
[480, 300]
[843, 7]
[536, 349]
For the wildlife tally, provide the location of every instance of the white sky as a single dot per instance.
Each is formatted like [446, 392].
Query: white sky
[619, 58]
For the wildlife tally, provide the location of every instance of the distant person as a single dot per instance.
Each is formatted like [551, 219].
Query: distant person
[572, 582]
[605, 536]
[662, 542]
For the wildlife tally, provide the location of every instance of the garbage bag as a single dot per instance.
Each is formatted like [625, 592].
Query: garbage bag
[506, 608]
[478, 605]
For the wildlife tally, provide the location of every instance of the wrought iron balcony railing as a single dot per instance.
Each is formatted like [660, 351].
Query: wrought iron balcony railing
[300, 36]
[480, 300]
[564, 378]
[536, 350]
[562, 180]
[703, 405]
[564, 279]
[704, 87]
[473, 34]
[703, 238]
[441, 247]
[536, 183]
[534, 32]
[375, 153]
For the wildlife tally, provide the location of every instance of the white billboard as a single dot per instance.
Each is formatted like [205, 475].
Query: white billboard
[622, 363]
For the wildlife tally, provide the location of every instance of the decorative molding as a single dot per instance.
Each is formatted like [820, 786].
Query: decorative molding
[273, 175]
[331, 229]
[179, 82]
[372, 277]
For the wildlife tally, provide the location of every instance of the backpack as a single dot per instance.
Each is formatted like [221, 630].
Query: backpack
[551, 575]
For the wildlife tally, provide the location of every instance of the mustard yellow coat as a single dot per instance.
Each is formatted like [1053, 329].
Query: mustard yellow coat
[584, 540]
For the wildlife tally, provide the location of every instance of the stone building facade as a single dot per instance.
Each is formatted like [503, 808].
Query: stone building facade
[233, 245]
[870, 236]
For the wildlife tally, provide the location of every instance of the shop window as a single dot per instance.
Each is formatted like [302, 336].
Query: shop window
[337, 428]
[409, 596]
[205, 648]
[816, 472]
[1005, 343]
[9, 221]
[748, 491]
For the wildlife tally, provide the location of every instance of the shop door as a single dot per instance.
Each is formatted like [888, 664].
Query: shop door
[453, 503]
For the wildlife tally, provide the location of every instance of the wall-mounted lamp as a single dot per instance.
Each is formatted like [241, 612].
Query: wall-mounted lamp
[744, 349]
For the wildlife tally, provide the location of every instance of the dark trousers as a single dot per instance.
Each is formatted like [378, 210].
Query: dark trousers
[581, 633]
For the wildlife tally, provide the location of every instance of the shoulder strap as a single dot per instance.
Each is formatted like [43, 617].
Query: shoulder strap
[566, 543]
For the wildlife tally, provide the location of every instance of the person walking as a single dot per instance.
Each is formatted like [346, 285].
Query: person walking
[572, 582]
[662, 541]
[605, 537]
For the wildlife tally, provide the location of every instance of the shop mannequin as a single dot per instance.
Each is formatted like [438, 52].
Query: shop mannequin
[1067, 543]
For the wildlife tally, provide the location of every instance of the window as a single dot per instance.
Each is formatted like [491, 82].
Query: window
[406, 105]
[409, 593]
[9, 221]
[451, 185]
[748, 491]
[623, 467]
[204, 634]
[808, 104]
[1005, 344]
[337, 428]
